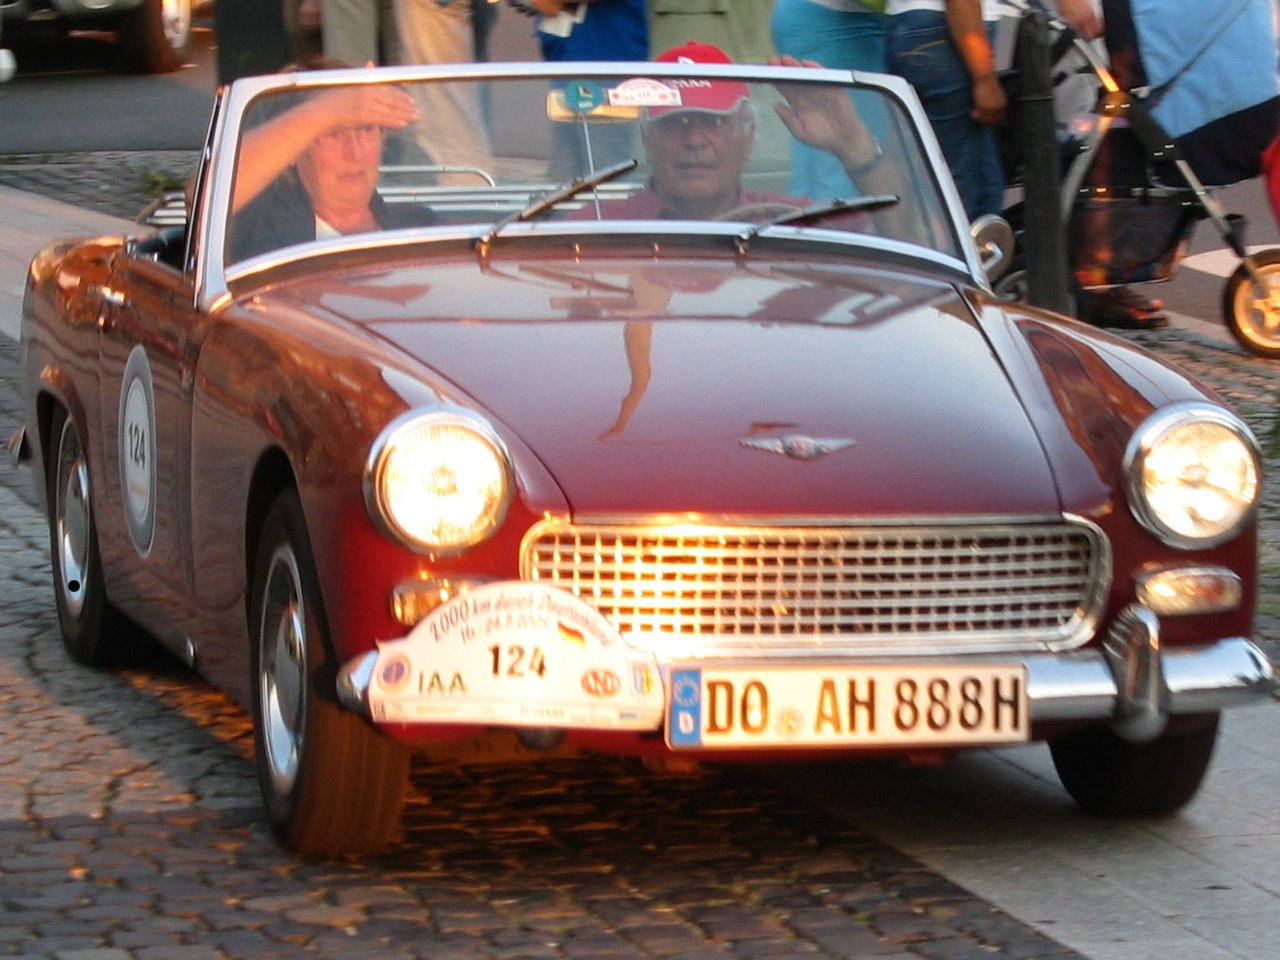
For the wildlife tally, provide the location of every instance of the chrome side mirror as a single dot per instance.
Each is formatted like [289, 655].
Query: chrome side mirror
[994, 238]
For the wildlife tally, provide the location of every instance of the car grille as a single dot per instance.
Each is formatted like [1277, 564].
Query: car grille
[710, 591]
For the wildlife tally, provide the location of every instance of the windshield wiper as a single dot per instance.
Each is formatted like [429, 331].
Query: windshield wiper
[808, 215]
[555, 197]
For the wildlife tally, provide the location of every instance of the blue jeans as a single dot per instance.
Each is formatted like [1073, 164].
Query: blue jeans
[919, 49]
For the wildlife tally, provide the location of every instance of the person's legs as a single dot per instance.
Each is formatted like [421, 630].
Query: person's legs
[305, 43]
[919, 49]
[350, 31]
[738, 27]
[834, 38]
[452, 127]
[576, 152]
[388, 32]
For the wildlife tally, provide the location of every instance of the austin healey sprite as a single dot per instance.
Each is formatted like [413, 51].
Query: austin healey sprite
[655, 409]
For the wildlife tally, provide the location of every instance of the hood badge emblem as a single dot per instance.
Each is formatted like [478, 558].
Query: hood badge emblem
[798, 446]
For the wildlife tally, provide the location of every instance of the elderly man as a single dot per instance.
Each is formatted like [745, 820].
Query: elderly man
[698, 149]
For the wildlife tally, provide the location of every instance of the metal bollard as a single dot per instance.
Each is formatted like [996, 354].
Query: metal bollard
[1045, 255]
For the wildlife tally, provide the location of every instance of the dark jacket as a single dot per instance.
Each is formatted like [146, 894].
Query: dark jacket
[282, 216]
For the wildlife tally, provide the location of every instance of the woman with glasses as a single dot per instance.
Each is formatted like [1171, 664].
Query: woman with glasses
[311, 171]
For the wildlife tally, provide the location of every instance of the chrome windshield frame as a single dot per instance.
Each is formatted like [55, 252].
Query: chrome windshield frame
[213, 276]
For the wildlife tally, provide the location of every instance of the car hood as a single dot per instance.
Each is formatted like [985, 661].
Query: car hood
[721, 389]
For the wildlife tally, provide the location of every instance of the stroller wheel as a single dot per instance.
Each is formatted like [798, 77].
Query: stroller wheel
[1252, 313]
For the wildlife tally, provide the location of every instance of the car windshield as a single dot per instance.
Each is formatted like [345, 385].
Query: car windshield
[348, 153]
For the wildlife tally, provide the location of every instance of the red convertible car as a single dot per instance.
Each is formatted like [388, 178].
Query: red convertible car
[656, 409]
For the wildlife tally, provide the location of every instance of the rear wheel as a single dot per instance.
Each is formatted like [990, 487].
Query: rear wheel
[1252, 313]
[1109, 776]
[92, 631]
[155, 36]
[331, 783]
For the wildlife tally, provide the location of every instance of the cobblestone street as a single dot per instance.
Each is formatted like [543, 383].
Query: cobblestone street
[118, 183]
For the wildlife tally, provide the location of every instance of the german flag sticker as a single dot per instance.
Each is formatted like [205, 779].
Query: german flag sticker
[571, 634]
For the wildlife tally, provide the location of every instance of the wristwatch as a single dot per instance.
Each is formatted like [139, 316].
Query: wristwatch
[865, 166]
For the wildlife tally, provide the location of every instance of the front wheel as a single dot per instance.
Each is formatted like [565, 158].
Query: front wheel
[155, 36]
[1252, 312]
[332, 784]
[1111, 777]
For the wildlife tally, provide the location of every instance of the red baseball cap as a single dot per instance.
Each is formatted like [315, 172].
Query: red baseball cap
[711, 96]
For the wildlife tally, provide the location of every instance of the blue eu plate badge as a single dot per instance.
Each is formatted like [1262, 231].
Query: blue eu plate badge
[684, 721]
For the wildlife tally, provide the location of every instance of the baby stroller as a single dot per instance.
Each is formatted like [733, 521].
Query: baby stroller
[1130, 200]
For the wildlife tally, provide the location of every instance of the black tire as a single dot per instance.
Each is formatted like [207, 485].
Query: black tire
[155, 36]
[1253, 316]
[1111, 777]
[332, 784]
[92, 631]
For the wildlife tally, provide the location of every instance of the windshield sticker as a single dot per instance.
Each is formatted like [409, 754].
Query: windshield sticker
[644, 92]
[583, 96]
[137, 424]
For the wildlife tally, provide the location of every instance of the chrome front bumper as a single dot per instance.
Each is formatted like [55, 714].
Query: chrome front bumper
[1131, 682]
[1137, 685]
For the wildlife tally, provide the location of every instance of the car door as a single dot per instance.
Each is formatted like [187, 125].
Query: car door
[146, 358]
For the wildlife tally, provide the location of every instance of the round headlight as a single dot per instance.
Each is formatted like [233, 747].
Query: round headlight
[1194, 474]
[438, 481]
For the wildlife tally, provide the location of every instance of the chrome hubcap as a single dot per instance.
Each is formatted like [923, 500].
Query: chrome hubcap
[1259, 309]
[282, 669]
[71, 520]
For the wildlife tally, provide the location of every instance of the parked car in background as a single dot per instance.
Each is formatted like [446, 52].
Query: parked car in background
[154, 35]
[684, 454]
[7, 64]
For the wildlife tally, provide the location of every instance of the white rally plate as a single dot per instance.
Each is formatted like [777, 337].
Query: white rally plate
[516, 654]
[917, 705]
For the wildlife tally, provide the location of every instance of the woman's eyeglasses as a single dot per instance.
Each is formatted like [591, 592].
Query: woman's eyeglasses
[363, 134]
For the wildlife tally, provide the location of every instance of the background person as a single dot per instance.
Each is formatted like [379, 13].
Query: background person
[738, 27]
[1214, 91]
[943, 49]
[303, 20]
[841, 34]
[590, 30]
[360, 31]
[451, 129]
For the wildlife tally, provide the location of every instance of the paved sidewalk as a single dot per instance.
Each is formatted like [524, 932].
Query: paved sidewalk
[31, 222]
[46, 196]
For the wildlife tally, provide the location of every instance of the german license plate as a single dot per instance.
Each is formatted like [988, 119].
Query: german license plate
[740, 707]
